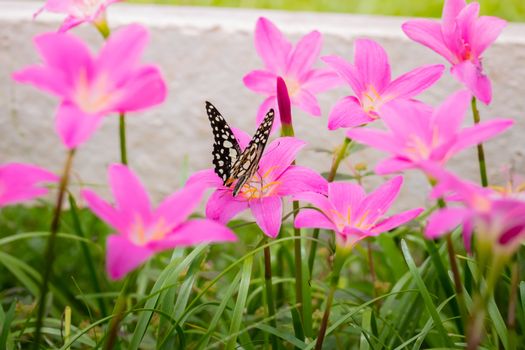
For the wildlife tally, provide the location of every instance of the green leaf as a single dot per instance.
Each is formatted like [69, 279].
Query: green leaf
[7, 318]
[283, 335]
[366, 326]
[246, 274]
[427, 299]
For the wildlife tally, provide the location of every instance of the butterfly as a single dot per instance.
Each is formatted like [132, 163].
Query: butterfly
[230, 162]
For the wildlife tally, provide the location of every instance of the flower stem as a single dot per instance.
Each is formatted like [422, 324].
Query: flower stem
[122, 134]
[338, 157]
[481, 152]
[511, 314]
[269, 293]
[119, 310]
[50, 247]
[340, 257]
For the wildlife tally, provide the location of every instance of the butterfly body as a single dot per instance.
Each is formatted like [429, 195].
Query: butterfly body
[230, 162]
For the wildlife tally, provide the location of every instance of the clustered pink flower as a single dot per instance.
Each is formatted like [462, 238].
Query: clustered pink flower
[461, 38]
[419, 136]
[275, 178]
[22, 182]
[369, 77]
[77, 11]
[294, 65]
[141, 230]
[91, 87]
[351, 213]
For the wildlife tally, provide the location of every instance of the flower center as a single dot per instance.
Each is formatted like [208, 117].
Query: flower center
[341, 220]
[371, 101]
[141, 234]
[86, 8]
[92, 97]
[293, 86]
[259, 186]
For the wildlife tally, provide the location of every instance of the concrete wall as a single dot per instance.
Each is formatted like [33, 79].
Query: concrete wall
[204, 54]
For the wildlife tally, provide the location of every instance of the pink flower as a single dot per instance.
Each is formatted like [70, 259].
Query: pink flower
[92, 87]
[22, 182]
[369, 78]
[419, 136]
[498, 221]
[263, 194]
[144, 231]
[461, 38]
[77, 11]
[351, 213]
[294, 65]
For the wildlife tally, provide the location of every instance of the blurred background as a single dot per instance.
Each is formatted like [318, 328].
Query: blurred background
[512, 10]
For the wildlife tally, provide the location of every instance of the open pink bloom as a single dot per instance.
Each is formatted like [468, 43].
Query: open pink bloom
[77, 11]
[22, 182]
[419, 136]
[294, 65]
[369, 78]
[143, 231]
[461, 38]
[92, 87]
[497, 220]
[276, 178]
[351, 213]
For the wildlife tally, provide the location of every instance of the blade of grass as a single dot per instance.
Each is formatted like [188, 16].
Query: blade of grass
[246, 274]
[427, 299]
[283, 335]
[7, 319]
[366, 326]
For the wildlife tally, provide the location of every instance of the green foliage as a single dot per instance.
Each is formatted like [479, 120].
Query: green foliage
[512, 10]
[211, 297]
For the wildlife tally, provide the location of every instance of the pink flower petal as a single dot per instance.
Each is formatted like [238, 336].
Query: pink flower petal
[222, 206]
[260, 81]
[474, 79]
[428, 33]
[242, 137]
[298, 179]
[347, 113]
[347, 71]
[122, 51]
[371, 61]
[317, 200]
[70, 22]
[377, 203]
[375, 138]
[130, 196]
[144, 88]
[178, 206]
[65, 53]
[481, 132]
[305, 53]
[451, 10]
[311, 218]
[122, 256]
[414, 82]
[451, 113]
[74, 126]
[444, 221]
[269, 103]
[306, 101]
[43, 78]
[206, 177]
[268, 213]
[195, 232]
[104, 211]
[279, 155]
[320, 80]
[272, 46]
[393, 165]
[344, 195]
[487, 29]
[396, 220]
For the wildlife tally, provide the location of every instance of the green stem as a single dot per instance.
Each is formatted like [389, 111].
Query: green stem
[50, 247]
[269, 294]
[481, 152]
[339, 156]
[103, 28]
[120, 310]
[122, 134]
[87, 254]
[298, 265]
[340, 257]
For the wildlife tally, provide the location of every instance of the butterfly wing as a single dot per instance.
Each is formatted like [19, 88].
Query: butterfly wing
[248, 162]
[226, 149]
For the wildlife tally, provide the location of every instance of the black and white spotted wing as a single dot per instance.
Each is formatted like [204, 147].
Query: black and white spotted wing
[226, 149]
[230, 162]
[248, 162]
